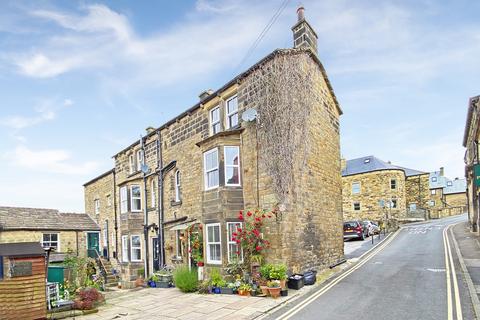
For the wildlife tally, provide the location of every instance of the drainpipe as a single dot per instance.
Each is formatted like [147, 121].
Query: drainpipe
[160, 247]
[145, 212]
[115, 214]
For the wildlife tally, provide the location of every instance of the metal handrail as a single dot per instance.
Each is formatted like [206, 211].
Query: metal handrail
[103, 270]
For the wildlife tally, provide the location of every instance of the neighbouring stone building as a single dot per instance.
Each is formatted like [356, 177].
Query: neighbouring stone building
[378, 190]
[217, 158]
[471, 139]
[64, 232]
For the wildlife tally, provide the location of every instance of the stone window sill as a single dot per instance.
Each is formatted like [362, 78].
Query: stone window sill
[176, 203]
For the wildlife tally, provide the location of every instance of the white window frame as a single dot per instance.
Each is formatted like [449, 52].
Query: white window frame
[359, 206]
[124, 199]
[140, 159]
[449, 183]
[219, 242]
[177, 186]
[394, 201]
[393, 182]
[135, 248]
[434, 179]
[132, 208]
[229, 241]
[228, 115]
[153, 199]
[232, 166]
[131, 164]
[178, 244]
[57, 249]
[359, 187]
[210, 170]
[97, 206]
[216, 122]
[433, 192]
[125, 249]
[109, 200]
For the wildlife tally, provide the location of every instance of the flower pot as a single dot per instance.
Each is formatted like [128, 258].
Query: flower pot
[244, 292]
[152, 284]
[139, 282]
[283, 283]
[226, 290]
[295, 281]
[200, 264]
[274, 292]
[162, 284]
[284, 292]
[264, 290]
[216, 290]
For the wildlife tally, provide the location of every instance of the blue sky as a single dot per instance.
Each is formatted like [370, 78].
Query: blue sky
[81, 80]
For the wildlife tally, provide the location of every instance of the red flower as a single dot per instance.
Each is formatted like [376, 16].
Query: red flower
[269, 215]
[241, 212]
[240, 217]
[263, 216]
[258, 248]
[257, 219]
[256, 232]
[238, 241]
[234, 234]
[249, 213]
[239, 229]
[200, 226]
[237, 252]
[190, 250]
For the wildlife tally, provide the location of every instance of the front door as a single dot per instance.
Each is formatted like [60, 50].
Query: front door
[92, 244]
[155, 254]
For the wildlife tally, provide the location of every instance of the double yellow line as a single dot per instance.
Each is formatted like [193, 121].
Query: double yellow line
[306, 302]
[451, 278]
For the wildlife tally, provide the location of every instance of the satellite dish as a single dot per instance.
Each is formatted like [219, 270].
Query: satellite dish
[249, 115]
[145, 169]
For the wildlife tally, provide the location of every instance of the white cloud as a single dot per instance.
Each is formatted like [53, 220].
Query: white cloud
[50, 160]
[46, 110]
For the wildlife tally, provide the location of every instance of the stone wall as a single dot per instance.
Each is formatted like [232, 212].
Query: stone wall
[67, 239]
[418, 192]
[456, 199]
[374, 187]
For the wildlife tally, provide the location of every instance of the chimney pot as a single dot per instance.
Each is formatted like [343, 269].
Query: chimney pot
[301, 13]
[442, 171]
[150, 130]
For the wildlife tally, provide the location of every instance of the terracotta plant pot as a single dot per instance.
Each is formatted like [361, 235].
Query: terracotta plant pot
[139, 282]
[283, 283]
[274, 292]
[264, 290]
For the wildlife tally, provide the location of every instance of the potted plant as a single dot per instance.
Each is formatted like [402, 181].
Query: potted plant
[279, 272]
[244, 289]
[227, 288]
[139, 282]
[216, 281]
[274, 288]
[284, 292]
[152, 281]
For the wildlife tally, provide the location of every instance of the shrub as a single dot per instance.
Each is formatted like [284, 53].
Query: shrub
[185, 280]
[265, 271]
[278, 272]
[88, 299]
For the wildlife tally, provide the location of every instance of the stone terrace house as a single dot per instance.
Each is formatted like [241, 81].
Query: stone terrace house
[377, 190]
[213, 160]
[471, 140]
[65, 232]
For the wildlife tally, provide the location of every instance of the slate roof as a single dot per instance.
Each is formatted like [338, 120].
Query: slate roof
[372, 163]
[458, 186]
[15, 218]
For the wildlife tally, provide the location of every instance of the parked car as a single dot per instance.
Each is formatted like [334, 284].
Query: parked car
[353, 230]
[371, 227]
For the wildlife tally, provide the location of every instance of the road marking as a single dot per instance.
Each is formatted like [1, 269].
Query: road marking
[449, 289]
[458, 306]
[436, 270]
[313, 297]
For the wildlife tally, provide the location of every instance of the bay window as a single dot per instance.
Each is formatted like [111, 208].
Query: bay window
[135, 198]
[211, 169]
[135, 248]
[125, 248]
[232, 166]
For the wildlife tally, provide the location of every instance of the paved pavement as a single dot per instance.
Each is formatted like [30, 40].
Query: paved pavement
[354, 248]
[404, 278]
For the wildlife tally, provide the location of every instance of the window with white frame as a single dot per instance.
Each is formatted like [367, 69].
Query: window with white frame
[434, 179]
[177, 186]
[355, 187]
[432, 203]
[394, 203]
[135, 198]
[152, 193]
[393, 184]
[125, 248]
[449, 183]
[235, 252]
[178, 244]
[232, 166]
[135, 248]
[214, 244]
[97, 206]
[131, 164]
[356, 206]
[51, 240]
[215, 120]
[109, 200]
[232, 112]
[139, 159]
[211, 169]
[433, 191]
[123, 199]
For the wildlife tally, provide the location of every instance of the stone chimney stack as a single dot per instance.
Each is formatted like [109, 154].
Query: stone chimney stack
[149, 130]
[303, 34]
[205, 94]
[442, 171]
[343, 164]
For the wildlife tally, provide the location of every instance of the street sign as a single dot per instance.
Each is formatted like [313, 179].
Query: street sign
[476, 172]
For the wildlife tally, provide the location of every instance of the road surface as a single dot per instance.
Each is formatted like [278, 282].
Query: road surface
[409, 276]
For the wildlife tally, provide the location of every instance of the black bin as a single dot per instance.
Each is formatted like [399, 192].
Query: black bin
[295, 281]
